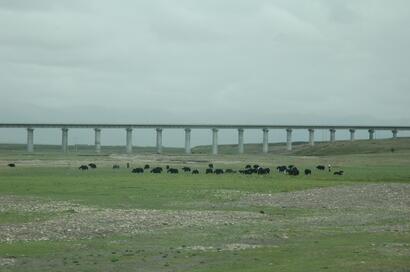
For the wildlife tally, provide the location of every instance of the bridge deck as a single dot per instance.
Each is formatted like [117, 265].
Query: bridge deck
[196, 126]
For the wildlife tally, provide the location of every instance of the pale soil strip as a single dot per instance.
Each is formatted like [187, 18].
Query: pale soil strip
[76, 221]
[388, 196]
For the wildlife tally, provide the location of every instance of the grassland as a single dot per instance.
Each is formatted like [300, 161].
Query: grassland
[53, 217]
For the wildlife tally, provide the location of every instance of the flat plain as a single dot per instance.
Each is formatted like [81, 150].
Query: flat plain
[54, 217]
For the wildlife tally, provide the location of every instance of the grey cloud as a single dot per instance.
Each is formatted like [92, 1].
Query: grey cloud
[231, 61]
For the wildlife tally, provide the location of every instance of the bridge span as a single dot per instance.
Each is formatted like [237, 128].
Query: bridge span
[188, 127]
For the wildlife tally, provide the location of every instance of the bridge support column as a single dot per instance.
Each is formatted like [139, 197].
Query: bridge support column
[352, 132]
[240, 141]
[289, 139]
[97, 141]
[159, 140]
[188, 141]
[64, 140]
[371, 134]
[332, 135]
[214, 141]
[311, 137]
[394, 131]
[265, 147]
[128, 147]
[30, 140]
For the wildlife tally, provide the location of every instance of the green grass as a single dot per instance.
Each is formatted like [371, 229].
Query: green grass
[287, 246]
[19, 217]
[110, 188]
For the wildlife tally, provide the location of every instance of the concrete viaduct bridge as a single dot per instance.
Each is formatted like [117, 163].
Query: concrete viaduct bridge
[188, 127]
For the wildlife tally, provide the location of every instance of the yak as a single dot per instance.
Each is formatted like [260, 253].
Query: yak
[83, 167]
[339, 173]
[138, 170]
[157, 170]
[173, 171]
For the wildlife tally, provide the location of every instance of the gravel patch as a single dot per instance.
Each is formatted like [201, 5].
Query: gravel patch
[88, 222]
[364, 207]
[392, 196]
[7, 262]
[226, 247]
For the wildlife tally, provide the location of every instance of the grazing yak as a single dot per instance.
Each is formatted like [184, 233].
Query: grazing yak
[229, 171]
[11, 165]
[293, 171]
[173, 171]
[157, 170]
[186, 169]
[339, 173]
[209, 171]
[281, 169]
[219, 171]
[263, 171]
[195, 172]
[115, 166]
[92, 165]
[211, 165]
[320, 167]
[138, 170]
[308, 172]
[146, 166]
[247, 171]
[248, 166]
[83, 167]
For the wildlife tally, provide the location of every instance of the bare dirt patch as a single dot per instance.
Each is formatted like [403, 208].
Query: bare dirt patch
[7, 262]
[391, 196]
[226, 247]
[77, 221]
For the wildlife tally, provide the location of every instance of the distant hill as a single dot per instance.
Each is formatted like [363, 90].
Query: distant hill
[320, 148]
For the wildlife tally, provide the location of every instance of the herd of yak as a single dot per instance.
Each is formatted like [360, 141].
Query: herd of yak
[248, 170]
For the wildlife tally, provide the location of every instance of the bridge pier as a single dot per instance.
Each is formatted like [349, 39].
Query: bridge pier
[371, 134]
[187, 141]
[97, 141]
[289, 139]
[240, 141]
[332, 135]
[159, 140]
[128, 147]
[394, 131]
[64, 140]
[352, 132]
[265, 147]
[311, 137]
[30, 140]
[214, 141]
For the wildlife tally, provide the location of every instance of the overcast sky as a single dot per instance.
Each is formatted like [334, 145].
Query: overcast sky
[213, 61]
